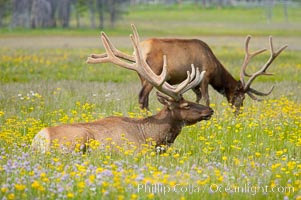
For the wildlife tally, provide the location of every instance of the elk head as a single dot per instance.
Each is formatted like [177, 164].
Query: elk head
[185, 111]
[243, 87]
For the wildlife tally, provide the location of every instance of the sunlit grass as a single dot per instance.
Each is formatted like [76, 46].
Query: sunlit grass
[60, 64]
[254, 155]
[259, 148]
[56, 64]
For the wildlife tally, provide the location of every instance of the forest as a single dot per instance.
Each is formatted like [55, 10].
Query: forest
[94, 13]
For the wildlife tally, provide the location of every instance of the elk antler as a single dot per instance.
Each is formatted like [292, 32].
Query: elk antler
[115, 51]
[112, 55]
[247, 86]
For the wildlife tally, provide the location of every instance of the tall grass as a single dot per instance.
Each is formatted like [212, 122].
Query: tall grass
[22, 65]
[255, 155]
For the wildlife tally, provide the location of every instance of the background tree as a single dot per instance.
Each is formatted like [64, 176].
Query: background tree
[269, 8]
[54, 4]
[101, 10]
[92, 11]
[53, 13]
[4, 10]
[41, 14]
[64, 8]
[80, 8]
[112, 4]
[285, 10]
[21, 10]
[115, 8]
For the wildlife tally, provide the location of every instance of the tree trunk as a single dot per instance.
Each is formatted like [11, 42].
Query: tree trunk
[21, 13]
[40, 14]
[285, 10]
[101, 10]
[204, 3]
[269, 5]
[54, 5]
[64, 12]
[91, 5]
[4, 10]
[112, 10]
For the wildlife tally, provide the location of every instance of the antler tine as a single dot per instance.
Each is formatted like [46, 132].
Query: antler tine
[262, 71]
[111, 57]
[198, 78]
[248, 57]
[135, 33]
[112, 54]
[143, 68]
[179, 87]
[251, 92]
[102, 58]
[253, 96]
[116, 52]
[104, 55]
[261, 93]
[193, 79]
[96, 58]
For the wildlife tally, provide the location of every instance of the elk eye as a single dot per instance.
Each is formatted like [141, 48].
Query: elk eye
[185, 105]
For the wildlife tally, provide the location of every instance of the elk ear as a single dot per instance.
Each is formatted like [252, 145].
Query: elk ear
[165, 100]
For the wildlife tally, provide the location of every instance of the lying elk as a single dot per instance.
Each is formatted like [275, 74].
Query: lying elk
[163, 127]
[183, 52]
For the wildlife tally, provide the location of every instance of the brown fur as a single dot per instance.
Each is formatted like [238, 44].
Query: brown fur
[182, 53]
[163, 128]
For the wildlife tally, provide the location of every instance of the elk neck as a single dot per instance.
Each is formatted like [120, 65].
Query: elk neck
[162, 127]
[224, 82]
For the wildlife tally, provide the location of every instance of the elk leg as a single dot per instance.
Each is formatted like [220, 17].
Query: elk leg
[204, 92]
[144, 94]
[198, 94]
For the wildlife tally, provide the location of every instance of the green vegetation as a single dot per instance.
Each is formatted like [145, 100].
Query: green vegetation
[60, 64]
[253, 156]
[190, 20]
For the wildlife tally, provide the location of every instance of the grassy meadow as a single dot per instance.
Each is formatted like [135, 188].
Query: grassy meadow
[253, 156]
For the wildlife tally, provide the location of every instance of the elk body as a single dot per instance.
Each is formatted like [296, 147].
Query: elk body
[162, 128]
[182, 53]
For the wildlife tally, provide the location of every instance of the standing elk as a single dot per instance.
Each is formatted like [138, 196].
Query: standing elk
[183, 52]
[162, 128]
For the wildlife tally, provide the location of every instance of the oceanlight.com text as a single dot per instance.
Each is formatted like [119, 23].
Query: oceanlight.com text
[249, 189]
